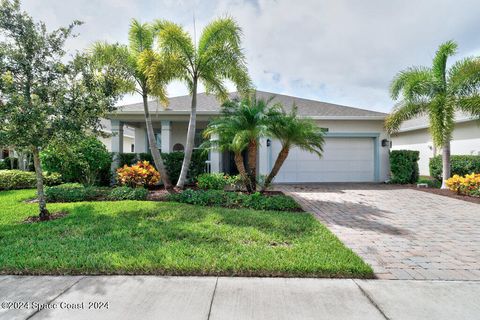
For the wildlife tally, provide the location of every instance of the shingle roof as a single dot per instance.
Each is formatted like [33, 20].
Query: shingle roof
[209, 104]
[422, 122]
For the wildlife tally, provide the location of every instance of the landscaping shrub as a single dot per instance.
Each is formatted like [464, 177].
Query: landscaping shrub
[404, 166]
[18, 179]
[85, 160]
[460, 165]
[227, 199]
[74, 192]
[215, 181]
[173, 162]
[467, 185]
[142, 174]
[127, 193]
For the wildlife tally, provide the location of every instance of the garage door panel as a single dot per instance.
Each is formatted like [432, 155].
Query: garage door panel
[343, 160]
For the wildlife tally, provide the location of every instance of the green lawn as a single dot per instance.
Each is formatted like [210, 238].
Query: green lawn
[130, 237]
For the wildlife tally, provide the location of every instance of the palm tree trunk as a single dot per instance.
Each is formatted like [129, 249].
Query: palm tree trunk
[252, 163]
[242, 171]
[446, 170]
[42, 203]
[190, 138]
[157, 157]
[281, 157]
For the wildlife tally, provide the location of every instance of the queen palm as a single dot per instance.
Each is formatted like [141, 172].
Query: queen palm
[127, 59]
[439, 93]
[292, 131]
[217, 57]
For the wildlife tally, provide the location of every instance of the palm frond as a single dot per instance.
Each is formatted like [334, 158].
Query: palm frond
[412, 83]
[403, 111]
[470, 105]
[140, 36]
[439, 67]
[464, 77]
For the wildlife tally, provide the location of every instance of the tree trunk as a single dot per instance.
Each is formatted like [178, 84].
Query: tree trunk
[157, 157]
[42, 203]
[252, 163]
[281, 157]
[242, 171]
[446, 172]
[190, 138]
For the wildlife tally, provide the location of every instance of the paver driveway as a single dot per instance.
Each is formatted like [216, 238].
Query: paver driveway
[402, 233]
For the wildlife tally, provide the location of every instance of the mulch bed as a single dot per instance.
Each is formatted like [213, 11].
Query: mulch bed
[447, 193]
[53, 216]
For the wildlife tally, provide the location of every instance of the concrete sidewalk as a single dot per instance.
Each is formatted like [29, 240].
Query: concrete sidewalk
[151, 297]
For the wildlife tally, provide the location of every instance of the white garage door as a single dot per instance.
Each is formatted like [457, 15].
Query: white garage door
[343, 160]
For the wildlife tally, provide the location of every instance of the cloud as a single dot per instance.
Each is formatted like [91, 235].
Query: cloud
[342, 51]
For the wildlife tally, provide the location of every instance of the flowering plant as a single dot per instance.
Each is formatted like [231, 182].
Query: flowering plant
[141, 174]
[468, 184]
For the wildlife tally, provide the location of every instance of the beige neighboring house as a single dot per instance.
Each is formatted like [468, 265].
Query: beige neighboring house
[128, 137]
[356, 144]
[414, 135]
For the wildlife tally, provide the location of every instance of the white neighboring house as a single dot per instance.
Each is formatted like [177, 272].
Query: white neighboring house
[356, 145]
[414, 135]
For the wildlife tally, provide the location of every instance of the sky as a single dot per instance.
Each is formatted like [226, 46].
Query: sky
[339, 51]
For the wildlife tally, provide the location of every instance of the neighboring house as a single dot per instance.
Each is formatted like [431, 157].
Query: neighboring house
[128, 137]
[356, 146]
[414, 135]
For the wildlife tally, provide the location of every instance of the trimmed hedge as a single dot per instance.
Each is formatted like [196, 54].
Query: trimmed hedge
[127, 193]
[460, 164]
[75, 192]
[227, 199]
[173, 162]
[404, 166]
[18, 179]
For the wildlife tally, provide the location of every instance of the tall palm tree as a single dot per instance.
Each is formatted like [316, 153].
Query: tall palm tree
[292, 131]
[437, 92]
[241, 124]
[217, 57]
[127, 59]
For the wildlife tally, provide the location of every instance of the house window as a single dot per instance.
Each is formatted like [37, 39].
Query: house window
[178, 147]
[132, 148]
[198, 137]
[158, 139]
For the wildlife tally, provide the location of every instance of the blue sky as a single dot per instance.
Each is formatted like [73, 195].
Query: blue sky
[340, 51]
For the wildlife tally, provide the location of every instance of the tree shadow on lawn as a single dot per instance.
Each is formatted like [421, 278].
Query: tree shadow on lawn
[94, 240]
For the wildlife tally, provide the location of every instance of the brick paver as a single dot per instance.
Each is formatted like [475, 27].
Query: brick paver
[402, 233]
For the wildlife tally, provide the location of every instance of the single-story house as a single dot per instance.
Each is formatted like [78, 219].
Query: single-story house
[356, 145]
[414, 135]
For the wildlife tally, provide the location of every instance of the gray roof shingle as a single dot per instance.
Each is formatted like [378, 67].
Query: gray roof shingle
[209, 104]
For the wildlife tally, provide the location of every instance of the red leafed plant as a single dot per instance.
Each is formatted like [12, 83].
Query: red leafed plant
[141, 174]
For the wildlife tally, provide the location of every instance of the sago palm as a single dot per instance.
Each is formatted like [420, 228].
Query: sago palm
[439, 93]
[127, 59]
[217, 57]
[292, 131]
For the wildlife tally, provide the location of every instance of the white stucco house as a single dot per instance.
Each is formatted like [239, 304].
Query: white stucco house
[414, 135]
[356, 144]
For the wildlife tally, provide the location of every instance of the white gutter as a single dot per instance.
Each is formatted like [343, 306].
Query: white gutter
[423, 126]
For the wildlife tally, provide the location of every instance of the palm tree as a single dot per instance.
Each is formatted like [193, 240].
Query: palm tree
[241, 124]
[217, 57]
[224, 134]
[127, 59]
[438, 93]
[293, 131]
